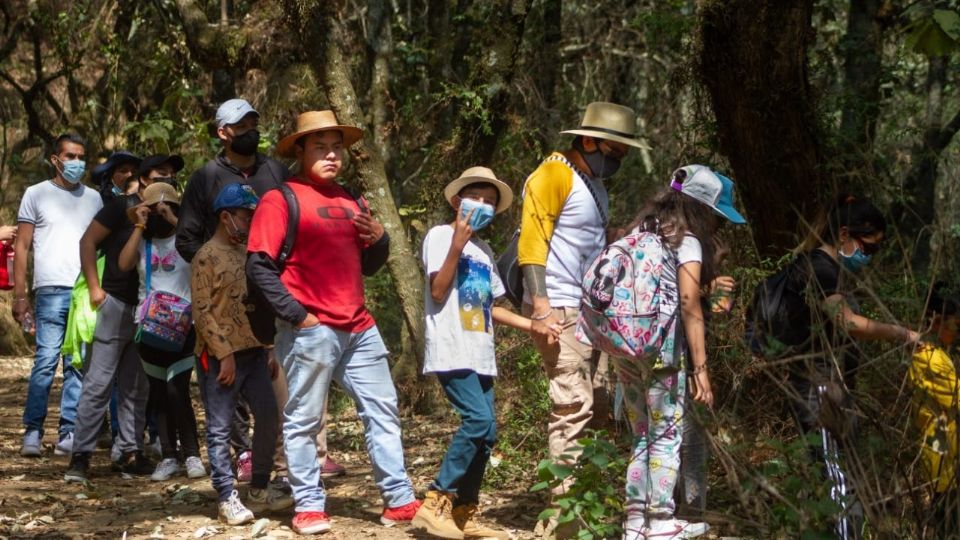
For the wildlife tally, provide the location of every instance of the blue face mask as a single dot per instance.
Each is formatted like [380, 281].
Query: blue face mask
[855, 261]
[482, 213]
[73, 170]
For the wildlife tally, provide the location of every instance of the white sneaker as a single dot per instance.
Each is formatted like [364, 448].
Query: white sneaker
[195, 467]
[31, 444]
[272, 498]
[233, 512]
[165, 470]
[668, 529]
[65, 446]
[115, 452]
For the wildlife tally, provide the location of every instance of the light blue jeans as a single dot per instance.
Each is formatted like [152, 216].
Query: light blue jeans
[311, 358]
[52, 307]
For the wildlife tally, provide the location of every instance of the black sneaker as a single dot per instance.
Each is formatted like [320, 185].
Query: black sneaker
[134, 463]
[77, 472]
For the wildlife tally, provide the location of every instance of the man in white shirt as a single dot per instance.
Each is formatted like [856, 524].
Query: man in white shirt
[53, 216]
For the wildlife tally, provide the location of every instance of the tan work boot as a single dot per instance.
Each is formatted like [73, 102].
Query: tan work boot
[466, 518]
[436, 517]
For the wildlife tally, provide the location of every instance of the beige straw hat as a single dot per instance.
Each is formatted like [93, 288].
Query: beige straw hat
[611, 122]
[476, 175]
[312, 122]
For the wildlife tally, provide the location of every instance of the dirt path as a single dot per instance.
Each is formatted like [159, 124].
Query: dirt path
[36, 503]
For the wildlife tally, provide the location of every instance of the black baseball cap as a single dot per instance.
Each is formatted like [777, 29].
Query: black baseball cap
[152, 162]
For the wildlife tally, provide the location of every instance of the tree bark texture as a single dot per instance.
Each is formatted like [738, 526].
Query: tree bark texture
[322, 48]
[753, 63]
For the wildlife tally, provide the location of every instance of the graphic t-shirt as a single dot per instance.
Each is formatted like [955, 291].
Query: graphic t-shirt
[121, 285]
[168, 271]
[59, 217]
[323, 270]
[459, 331]
[219, 286]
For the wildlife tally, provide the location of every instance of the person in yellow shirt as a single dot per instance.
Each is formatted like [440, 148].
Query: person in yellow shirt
[933, 375]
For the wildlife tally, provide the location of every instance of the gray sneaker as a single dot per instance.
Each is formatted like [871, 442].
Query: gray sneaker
[31, 444]
[272, 498]
[65, 446]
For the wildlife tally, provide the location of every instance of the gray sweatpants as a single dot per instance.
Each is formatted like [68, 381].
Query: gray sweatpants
[113, 356]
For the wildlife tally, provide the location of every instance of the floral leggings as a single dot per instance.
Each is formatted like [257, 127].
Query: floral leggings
[655, 401]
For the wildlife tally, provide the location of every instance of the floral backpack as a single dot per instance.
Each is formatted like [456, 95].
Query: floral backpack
[627, 310]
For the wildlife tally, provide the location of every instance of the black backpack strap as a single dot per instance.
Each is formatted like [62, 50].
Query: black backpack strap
[293, 221]
[357, 197]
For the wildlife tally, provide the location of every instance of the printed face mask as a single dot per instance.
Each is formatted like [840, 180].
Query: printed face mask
[482, 213]
[246, 144]
[72, 170]
[856, 261]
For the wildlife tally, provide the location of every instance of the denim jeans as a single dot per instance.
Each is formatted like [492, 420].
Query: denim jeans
[311, 358]
[463, 465]
[52, 307]
[252, 381]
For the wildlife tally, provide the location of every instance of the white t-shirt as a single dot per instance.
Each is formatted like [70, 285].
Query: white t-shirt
[59, 217]
[689, 251]
[168, 271]
[459, 331]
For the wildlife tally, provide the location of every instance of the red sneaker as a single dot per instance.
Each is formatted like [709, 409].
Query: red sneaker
[331, 469]
[311, 523]
[400, 514]
[245, 467]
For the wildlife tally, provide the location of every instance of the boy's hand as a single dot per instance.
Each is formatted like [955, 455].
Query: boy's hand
[462, 231]
[228, 371]
[540, 330]
[370, 230]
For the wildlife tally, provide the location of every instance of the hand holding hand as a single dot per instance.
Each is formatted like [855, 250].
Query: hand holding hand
[545, 332]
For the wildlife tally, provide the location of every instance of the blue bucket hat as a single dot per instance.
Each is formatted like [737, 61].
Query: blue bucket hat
[234, 196]
[710, 188]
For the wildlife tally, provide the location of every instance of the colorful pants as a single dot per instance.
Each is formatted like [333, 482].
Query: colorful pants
[655, 401]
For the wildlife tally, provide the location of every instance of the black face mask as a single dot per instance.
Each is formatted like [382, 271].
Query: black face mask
[157, 227]
[601, 166]
[246, 144]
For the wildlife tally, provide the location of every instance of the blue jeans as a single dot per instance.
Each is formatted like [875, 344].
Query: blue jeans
[52, 307]
[311, 358]
[463, 465]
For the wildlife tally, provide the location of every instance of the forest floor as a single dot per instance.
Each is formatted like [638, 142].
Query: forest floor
[35, 502]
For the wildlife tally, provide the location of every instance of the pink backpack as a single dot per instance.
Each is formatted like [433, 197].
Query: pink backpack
[627, 310]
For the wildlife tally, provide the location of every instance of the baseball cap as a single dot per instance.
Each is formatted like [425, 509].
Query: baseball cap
[233, 111]
[154, 161]
[710, 188]
[235, 195]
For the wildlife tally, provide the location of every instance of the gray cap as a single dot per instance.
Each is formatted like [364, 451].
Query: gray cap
[233, 111]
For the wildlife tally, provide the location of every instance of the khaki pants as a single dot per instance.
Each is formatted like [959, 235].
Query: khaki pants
[280, 456]
[571, 368]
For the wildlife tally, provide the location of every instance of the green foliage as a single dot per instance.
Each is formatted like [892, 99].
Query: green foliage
[935, 32]
[594, 501]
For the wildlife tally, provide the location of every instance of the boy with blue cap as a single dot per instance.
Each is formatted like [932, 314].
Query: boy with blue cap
[233, 362]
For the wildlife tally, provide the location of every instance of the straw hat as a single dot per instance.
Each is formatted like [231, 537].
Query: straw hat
[611, 122]
[153, 194]
[475, 175]
[312, 122]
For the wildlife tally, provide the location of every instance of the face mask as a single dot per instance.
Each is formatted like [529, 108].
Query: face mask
[482, 213]
[855, 261]
[72, 170]
[238, 235]
[601, 166]
[157, 227]
[246, 144]
[116, 191]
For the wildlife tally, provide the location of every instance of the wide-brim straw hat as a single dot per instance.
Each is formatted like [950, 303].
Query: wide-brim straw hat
[611, 122]
[156, 193]
[312, 122]
[476, 175]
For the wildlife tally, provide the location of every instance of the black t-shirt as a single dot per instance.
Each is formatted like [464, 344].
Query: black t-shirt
[121, 285]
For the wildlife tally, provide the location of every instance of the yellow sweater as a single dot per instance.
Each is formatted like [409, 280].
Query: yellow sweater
[936, 406]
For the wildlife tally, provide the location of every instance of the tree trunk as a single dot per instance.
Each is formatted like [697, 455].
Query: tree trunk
[757, 82]
[321, 46]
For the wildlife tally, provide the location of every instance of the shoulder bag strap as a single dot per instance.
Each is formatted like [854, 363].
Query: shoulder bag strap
[584, 178]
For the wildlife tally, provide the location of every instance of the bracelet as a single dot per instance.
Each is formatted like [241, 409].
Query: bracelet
[140, 225]
[21, 299]
[542, 317]
[702, 368]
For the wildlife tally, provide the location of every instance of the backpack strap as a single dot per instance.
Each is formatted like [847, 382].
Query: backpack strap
[293, 221]
[357, 197]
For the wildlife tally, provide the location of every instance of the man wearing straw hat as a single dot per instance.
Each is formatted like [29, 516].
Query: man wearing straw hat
[324, 331]
[563, 229]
